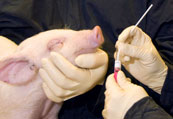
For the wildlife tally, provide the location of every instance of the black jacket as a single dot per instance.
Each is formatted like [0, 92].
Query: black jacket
[20, 19]
[146, 108]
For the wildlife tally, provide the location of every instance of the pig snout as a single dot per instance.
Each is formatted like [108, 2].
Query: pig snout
[94, 40]
[97, 37]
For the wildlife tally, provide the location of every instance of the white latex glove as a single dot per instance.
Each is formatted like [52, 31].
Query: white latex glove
[63, 80]
[120, 97]
[145, 63]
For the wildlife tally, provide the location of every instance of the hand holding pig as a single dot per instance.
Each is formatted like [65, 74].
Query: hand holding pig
[21, 94]
[63, 80]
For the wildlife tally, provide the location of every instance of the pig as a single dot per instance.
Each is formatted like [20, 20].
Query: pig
[21, 93]
[7, 47]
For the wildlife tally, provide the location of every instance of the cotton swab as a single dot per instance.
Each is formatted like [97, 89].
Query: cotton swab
[143, 16]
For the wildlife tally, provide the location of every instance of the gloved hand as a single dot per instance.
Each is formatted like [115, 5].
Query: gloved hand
[119, 97]
[63, 80]
[145, 63]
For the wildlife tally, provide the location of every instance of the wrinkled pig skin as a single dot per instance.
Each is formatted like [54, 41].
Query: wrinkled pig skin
[21, 94]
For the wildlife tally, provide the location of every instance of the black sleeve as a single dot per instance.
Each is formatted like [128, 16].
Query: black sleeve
[166, 98]
[163, 41]
[146, 108]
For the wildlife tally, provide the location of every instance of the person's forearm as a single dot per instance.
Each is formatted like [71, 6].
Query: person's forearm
[146, 108]
[166, 93]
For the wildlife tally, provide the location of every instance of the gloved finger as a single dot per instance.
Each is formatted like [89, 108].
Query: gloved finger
[128, 79]
[57, 76]
[57, 90]
[129, 32]
[47, 80]
[108, 97]
[107, 105]
[50, 95]
[62, 93]
[126, 58]
[139, 38]
[68, 69]
[122, 57]
[111, 84]
[101, 71]
[92, 60]
[134, 36]
[125, 34]
[123, 81]
[104, 113]
[132, 51]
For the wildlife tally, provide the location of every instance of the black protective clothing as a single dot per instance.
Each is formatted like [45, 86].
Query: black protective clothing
[146, 108]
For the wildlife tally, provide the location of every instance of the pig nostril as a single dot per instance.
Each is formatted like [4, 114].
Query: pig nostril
[98, 37]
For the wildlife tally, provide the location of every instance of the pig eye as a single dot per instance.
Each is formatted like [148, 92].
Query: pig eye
[56, 44]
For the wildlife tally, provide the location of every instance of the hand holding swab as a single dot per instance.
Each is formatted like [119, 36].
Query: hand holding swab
[117, 65]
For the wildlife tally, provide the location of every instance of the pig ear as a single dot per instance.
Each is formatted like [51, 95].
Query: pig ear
[55, 44]
[17, 72]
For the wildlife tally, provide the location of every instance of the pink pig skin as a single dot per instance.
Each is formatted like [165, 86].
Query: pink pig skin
[21, 94]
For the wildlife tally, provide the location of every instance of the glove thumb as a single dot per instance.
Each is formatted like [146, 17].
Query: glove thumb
[92, 60]
[123, 82]
[130, 50]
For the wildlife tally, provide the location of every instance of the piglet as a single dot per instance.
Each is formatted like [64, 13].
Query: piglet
[21, 94]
